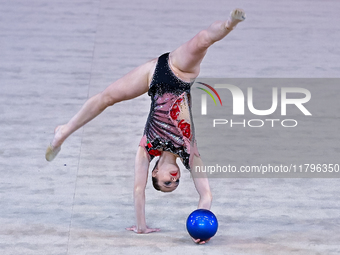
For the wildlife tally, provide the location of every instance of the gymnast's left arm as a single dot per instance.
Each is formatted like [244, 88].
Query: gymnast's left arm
[202, 185]
[203, 188]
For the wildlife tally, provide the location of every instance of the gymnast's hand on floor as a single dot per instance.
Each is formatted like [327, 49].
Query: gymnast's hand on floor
[198, 241]
[147, 230]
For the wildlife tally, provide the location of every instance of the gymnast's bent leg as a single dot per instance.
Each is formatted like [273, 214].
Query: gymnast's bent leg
[132, 85]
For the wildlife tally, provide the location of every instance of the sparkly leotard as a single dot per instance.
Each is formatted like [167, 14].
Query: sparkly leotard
[169, 126]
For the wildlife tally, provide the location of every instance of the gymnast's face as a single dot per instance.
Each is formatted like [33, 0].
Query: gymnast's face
[167, 176]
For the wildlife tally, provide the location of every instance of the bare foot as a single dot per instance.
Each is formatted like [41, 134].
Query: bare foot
[236, 16]
[55, 146]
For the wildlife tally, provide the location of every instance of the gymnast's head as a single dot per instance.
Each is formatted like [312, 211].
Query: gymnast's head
[165, 176]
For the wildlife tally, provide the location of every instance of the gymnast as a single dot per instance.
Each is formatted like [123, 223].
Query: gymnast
[169, 130]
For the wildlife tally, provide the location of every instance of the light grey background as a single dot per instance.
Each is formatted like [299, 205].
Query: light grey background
[55, 54]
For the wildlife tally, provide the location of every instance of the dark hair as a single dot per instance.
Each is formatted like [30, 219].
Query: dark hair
[154, 179]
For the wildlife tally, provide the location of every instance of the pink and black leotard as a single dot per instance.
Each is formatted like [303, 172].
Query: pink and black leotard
[169, 126]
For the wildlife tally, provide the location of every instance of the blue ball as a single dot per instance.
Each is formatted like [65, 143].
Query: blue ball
[202, 224]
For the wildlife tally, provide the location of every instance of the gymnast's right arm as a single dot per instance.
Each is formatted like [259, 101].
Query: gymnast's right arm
[141, 176]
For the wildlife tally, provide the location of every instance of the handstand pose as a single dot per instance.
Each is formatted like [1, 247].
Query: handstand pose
[169, 131]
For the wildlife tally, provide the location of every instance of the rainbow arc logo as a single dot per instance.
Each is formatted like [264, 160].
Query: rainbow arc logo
[209, 93]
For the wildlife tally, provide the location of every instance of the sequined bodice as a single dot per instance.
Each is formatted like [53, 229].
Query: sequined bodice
[169, 126]
[165, 81]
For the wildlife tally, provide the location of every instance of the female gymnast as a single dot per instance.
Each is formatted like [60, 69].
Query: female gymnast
[169, 131]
